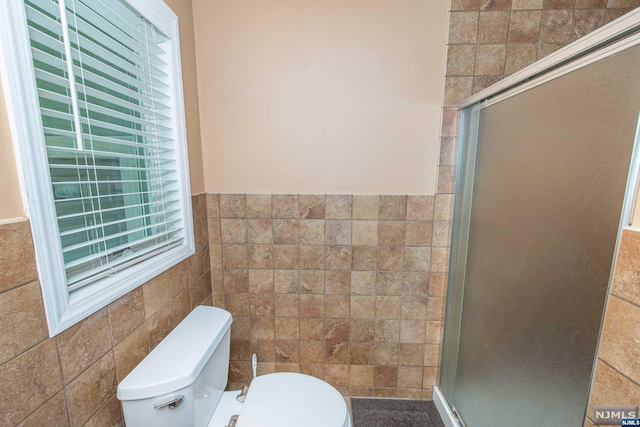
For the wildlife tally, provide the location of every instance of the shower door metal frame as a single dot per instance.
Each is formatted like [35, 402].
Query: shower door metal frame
[606, 41]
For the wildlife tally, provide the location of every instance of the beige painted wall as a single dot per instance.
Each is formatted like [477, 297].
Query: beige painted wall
[10, 197]
[320, 96]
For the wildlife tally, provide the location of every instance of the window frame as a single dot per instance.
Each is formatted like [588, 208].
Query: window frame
[64, 308]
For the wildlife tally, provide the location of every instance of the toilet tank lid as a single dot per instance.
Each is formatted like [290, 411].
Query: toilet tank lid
[177, 361]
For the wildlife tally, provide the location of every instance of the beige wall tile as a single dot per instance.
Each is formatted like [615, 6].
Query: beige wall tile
[626, 279]
[463, 27]
[311, 257]
[260, 231]
[524, 26]
[286, 231]
[159, 325]
[232, 205]
[109, 415]
[312, 206]
[338, 257]
[493, 27]
[84, 343]
[619, 346]
[130, 351]
[126, 314]
[259, 257]
[287, 281]
[336, 306]
[460, 59]
[490, 59]
[285, 206]
[22, 319]
[338, 282]
[556, 26]
[234, 256]
[391, 233]
[28, 381]
[364, 233]
[52, 413]
[312, 232]
[233, 230]
[17, 258]
[611, 388]
[258, 205]
[156, 294]
[363, 283]
[338, 206]
[286, 257]
[389, 283]
[365, 207]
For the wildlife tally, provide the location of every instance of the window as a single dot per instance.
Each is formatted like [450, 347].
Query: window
[95, 98]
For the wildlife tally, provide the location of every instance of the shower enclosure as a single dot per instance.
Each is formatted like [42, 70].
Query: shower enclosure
[542, 184]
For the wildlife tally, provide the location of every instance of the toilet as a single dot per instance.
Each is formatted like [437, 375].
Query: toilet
[181, 384]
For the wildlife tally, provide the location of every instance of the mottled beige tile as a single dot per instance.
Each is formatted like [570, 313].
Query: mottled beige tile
[391, 233]
[465, 5]
[361, 353]
[417, 259]
[23, 320]
[558, 4]
[311, 352]
[460, 59]
[312, 232]
[236, 281]
[386, 353]
[388, 307]
[420, 207]
[414, 308]
[364, 233]
[520, 55]
[84, 343]
[362, 307]
[237, 304]
[390, 258]
[180, 307]
[338, 282]
[285, 206]
[287, 351]
[389, 283]
[410, 376]
[545, 49]
[258, 206]
[526, 4]
[286, 257]
[260, 256]
[439, 259]
[261, 305]
[286, 231]
[215, 234]
[361, 330]
[287, 305]
[619, 346]
[556, 26]
[156, 294]
[232, 205]
[338, 257]
[463, 27]
[311, 329]
[365, 206]
[261, 281]
[338, 206]
[336, 352]
[448, 156]
[457, 89]
[178, 278]
[364, 257]
[360, 375]
[234, 256]
[287, 281]
[311, 257]
[312, 206]
[416, 283]
[129, 352]
[233, 230]
[524, 26]
[490, 59]
[393, 207]
[260, 231]
[52, 413]
[338, 232]
[28, 381]
[609, 387]
[363, 283]
[336, 306]
[411, 354]
[109, 415]
[287, 328]
[311, 306]
[159, 326]
[450, 122]
[263, 328]
[591, 4]
[312, 281]
[586, 21]
[446, 174]
[91, 390]
[493, 27]
[626, 279]
[495, 4]
[17, 258]
[418, 233]
[126, 314]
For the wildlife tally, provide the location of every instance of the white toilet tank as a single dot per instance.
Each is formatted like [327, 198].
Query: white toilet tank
[180, 382]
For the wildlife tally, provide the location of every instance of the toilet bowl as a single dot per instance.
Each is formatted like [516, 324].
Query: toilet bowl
[181, 384]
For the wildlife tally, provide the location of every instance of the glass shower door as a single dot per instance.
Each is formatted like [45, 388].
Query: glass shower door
[540, 194]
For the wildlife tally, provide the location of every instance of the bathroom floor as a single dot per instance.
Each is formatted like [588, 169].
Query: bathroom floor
[394, 413]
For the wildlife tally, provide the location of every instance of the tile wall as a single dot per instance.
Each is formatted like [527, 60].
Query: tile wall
[617, 376]
[345, 288]
[71, 379]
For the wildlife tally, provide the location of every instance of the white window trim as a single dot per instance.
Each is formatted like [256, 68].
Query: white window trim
[63, 311]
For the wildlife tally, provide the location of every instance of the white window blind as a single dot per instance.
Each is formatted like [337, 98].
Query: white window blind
[104, 92]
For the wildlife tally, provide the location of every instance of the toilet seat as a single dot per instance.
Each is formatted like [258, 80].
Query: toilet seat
[288, 399]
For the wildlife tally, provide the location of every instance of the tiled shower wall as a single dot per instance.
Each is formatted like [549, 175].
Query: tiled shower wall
[346, 288]
[71, 379]
[617, 376]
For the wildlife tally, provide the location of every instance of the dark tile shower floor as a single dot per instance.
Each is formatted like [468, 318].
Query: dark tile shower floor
[394, 413]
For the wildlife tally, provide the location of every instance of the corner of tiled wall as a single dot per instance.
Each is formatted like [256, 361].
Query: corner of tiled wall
[348, 288]
[71, 379]
[617, 374]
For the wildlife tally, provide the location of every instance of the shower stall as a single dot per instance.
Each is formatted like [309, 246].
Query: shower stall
[547, 173]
